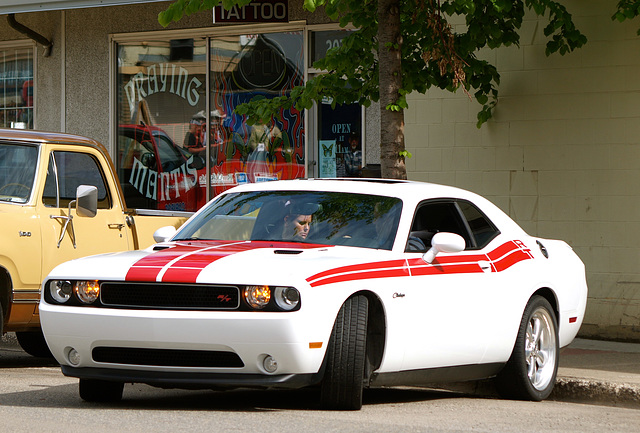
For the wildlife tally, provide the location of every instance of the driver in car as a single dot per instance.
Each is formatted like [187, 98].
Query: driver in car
[297, 222]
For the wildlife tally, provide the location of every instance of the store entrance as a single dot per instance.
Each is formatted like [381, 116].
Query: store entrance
[336, 140]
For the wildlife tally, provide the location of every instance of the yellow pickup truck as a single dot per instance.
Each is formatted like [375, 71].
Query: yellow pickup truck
[60, 199]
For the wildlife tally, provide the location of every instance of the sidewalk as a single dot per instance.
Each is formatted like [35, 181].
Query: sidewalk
[599, 371]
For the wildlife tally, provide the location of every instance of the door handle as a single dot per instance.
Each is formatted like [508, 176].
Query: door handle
[118, 226]
[485, 265]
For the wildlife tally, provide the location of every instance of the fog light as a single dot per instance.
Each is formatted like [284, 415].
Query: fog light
[74, 357]
[270, 364]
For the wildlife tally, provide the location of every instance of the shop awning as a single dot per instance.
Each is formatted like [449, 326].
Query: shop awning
[19, 6]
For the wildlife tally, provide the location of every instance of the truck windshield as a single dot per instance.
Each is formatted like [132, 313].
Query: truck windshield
[17, 172]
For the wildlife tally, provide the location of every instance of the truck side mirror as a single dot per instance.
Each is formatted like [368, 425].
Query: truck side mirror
[87, 201]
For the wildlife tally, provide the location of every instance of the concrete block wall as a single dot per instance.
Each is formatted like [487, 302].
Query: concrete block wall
[561, 155]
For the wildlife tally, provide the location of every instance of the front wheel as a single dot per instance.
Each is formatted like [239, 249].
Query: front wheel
[343, 380]
[34, 344]
[100, 391]
[530, 373]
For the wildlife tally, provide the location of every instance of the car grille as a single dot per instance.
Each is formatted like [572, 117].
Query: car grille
[167, 357]
[169, 296]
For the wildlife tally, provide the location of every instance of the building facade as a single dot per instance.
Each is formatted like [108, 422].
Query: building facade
[559, 156]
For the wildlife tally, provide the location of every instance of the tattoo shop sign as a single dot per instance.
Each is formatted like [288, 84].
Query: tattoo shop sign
[264, 11]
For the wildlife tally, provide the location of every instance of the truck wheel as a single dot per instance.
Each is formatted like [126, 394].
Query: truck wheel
[34, 344]
[100, 391]
[343, 380]
[531, 371]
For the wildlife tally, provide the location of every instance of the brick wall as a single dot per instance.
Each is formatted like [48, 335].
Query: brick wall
[561, 154]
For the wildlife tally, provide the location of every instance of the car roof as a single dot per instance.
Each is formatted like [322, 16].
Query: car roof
[410, 192]
[403, 189]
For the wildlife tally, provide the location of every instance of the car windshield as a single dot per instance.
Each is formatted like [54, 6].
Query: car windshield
[17, 172]
[326, 218]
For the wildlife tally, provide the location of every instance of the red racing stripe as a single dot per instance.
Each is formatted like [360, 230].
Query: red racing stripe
[373, 274]
[148, 267]
[502, 258]
[184, 262]
[510, 260]
[361, 267]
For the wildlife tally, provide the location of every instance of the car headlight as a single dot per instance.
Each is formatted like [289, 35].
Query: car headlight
[286, 298]
[60, 291]
[87, 291]
[257, 296]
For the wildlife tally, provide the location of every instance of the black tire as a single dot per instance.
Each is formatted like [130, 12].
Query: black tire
[343, 380]
[100, 391]
[34, 344]
[530, 373]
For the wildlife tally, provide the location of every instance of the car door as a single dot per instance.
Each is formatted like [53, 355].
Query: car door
[64, 240]
[449, 304]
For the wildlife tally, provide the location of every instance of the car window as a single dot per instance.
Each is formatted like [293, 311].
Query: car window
[454, 216]
[434, 217]
[134, 150]
[481, 227]
[73, 169]
[327, 218]
[170, 157]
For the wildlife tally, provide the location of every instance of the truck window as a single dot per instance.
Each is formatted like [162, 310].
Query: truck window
[73, 169]
[17, 172]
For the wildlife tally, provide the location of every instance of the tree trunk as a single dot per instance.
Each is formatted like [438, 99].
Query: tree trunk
[390, 69]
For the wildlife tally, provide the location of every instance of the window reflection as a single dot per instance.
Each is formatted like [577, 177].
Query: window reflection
[170, 150]
[16, 88]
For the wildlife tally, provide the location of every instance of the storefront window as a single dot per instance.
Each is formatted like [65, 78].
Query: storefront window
[161, 112]
[243, 67]
[171, 153]
[16, 88]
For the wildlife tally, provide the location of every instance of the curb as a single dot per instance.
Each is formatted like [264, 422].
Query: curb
[572, 389]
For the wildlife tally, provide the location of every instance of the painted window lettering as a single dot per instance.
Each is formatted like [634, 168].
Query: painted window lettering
[173, 154]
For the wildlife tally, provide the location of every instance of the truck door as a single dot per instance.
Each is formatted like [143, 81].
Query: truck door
[81, 236]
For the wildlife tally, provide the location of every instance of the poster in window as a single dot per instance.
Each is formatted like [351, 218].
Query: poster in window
[242, 68]
[341, 125]
[328, 158]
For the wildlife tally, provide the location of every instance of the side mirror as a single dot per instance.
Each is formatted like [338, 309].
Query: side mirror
[444, 243]
[163, 234]
[87, 201]
[148, 159]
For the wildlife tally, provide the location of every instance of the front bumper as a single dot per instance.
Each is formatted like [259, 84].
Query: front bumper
[163, 379]
[296, 342]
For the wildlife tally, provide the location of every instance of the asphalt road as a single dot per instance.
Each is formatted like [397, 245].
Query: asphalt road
[36, 397]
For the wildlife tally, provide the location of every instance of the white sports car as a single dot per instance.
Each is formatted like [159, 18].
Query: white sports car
[345, 284]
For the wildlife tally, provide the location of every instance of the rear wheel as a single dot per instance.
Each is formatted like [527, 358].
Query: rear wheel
[34, 344]
[100, 391]
[343, 380]
[531, 371]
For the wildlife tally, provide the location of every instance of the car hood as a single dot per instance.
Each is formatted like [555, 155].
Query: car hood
[229, 262]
